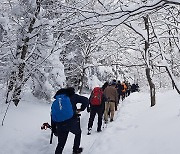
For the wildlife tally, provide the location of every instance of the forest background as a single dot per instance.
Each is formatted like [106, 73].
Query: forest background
[49, 44]
[46, 45]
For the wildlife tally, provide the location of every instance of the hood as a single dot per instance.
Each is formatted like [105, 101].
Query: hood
[67, 91]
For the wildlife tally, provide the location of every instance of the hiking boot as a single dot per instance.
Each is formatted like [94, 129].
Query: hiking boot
[111, 120]
[89, 131]
[78, 151]
[105, 121]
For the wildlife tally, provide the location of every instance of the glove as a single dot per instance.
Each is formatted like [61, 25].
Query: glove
[78, 111]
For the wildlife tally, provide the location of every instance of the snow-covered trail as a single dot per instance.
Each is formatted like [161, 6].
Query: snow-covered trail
[136, 128]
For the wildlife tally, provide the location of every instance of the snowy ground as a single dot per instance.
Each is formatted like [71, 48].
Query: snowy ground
[137, 129]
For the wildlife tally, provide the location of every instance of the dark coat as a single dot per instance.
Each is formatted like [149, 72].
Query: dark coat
[74, 98]
[119, 88]
[71, 125]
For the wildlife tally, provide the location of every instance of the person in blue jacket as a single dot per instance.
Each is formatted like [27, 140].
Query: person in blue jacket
[71, 125]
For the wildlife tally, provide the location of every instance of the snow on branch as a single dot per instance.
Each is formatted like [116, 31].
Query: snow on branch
[117, 17]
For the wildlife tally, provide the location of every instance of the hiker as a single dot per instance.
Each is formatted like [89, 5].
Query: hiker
[128, 90]
[96, 102]
[111, 94]
[123, 90]
[133, 87]
[137, 87]
[119, 89]
[70, 125]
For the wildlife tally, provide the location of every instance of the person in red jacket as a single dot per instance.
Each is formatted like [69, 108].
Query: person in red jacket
[96, 109]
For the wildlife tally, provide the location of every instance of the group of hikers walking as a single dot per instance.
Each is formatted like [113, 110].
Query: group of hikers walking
[65, 116]
[104, 102]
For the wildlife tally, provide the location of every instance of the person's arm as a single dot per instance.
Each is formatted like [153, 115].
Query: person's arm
[116, 96]
[104, 99]
[83, 100]
[89, 104]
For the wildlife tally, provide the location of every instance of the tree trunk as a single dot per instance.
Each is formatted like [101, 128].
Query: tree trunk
[172, 79]
[19, 83]
[149, 63]
[81, 80]
[17, 77]
[11, 83]
[152, 87]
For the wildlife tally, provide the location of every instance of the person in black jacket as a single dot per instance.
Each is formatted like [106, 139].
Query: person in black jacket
[71, 125]
[99, 110]
[119, 88]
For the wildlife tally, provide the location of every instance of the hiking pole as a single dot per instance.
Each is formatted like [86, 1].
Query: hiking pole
[45, 126]
[51, 137]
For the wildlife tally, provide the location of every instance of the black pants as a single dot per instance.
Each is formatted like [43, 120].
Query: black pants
[123, 95]
[99, 110]
[127, 93]
[63, 129]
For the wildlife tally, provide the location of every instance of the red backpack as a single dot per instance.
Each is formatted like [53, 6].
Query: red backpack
[96, 96]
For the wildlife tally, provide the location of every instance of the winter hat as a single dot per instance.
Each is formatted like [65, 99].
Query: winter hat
[113, 82]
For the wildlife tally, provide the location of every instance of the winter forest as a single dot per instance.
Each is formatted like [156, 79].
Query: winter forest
[46, 45]
[49, 44]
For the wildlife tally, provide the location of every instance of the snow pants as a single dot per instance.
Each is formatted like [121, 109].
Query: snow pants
[109, 106]
[63, 129]
[96, 110]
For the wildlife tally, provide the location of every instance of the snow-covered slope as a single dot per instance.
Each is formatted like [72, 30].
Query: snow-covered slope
[137, 128]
